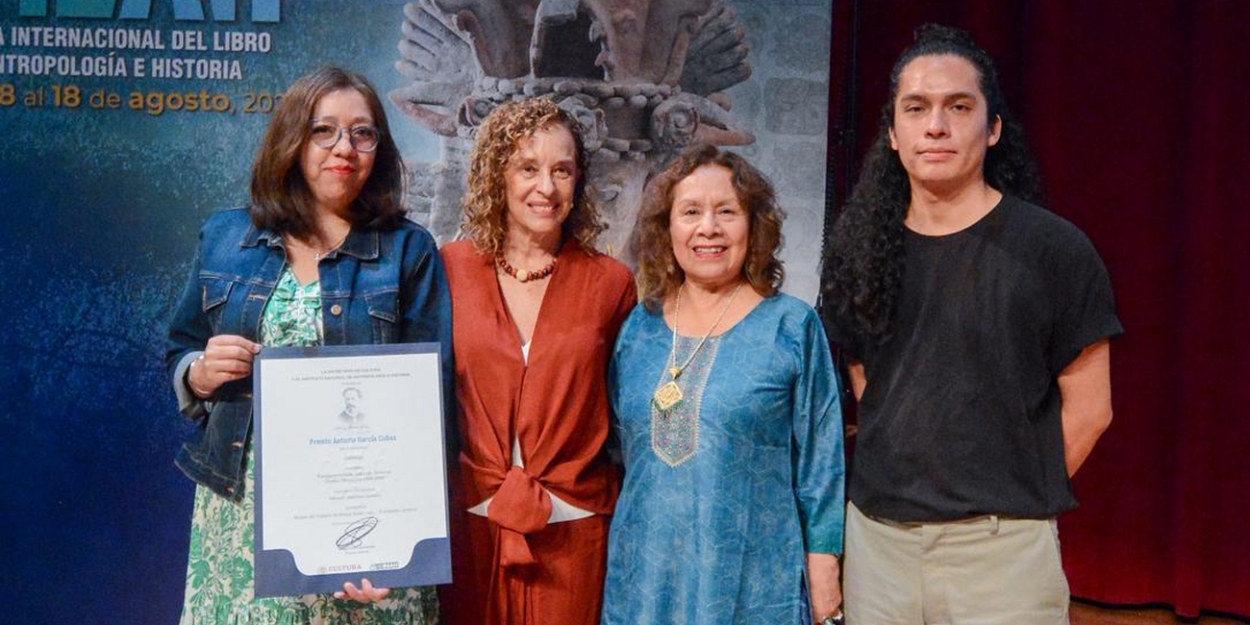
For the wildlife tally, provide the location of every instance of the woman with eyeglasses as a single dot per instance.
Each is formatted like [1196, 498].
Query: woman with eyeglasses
[323, 256]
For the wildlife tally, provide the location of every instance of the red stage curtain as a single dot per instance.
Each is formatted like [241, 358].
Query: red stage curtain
[1138, 114]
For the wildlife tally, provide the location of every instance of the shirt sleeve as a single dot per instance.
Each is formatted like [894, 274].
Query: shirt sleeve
[818, 455]
[1082, 300]
[427, 318]
[625, 304]
[189, 331]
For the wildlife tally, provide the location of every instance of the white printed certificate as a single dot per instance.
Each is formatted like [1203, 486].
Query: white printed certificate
[350, 468]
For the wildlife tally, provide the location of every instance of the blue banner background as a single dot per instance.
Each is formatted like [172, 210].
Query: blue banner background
[101, 212]
[101, 209]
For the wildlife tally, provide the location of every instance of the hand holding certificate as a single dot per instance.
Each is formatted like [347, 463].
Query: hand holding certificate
[350, 479]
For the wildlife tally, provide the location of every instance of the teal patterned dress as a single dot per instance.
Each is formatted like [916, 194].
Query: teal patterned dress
[728, 490]
[219, 568]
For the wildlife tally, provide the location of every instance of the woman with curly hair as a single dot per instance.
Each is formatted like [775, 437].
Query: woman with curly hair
[536, 310]
[727, 409]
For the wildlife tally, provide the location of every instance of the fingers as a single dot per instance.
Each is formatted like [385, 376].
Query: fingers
[228, 340]
[366, 593]
[230, 354]
[226, 358]
[349, 592]
[376, 594]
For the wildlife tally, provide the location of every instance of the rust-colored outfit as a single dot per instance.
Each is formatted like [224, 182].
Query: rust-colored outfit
[514, 568]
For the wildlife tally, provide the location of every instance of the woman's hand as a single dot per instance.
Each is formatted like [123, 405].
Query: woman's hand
[227, 358]
[823, 572]
[365, 594]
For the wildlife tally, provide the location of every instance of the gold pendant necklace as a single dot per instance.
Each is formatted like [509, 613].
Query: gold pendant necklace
[669, 394]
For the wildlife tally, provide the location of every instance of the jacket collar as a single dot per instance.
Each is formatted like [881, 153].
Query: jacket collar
[363, 244]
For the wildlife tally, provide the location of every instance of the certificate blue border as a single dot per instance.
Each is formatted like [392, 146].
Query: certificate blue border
[274, 570]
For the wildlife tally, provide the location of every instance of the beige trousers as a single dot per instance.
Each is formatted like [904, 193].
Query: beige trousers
[982, 571]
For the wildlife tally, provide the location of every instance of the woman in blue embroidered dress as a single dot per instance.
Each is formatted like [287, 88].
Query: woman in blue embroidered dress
[323, 256]
[727, 409]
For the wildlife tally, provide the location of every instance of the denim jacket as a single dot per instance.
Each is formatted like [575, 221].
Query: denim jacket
[378, 287]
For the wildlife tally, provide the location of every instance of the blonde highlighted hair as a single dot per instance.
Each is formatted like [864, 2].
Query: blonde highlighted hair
[498, 139]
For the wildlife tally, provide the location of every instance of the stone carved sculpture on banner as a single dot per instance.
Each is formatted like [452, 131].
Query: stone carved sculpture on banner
[644, 78]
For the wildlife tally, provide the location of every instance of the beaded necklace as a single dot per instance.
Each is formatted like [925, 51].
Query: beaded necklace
[521, 275]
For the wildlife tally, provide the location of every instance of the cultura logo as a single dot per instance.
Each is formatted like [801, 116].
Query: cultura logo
[184, 10]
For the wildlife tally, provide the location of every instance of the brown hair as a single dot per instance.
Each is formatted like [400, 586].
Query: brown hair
[497, 141]
[281, 199]
[659, 275]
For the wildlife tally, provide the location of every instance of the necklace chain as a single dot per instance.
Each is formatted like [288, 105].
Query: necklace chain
[669, 394]
[672, 356]
[318, 255]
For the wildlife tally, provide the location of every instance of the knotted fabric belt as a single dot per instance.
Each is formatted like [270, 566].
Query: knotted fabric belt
[519, 507]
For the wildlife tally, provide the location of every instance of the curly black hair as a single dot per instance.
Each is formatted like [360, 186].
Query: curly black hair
[864, 266]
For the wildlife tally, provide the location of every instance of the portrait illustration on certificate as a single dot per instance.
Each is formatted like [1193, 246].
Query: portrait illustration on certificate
[350, 479]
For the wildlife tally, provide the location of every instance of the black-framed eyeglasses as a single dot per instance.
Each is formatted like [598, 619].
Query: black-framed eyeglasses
[326, 135]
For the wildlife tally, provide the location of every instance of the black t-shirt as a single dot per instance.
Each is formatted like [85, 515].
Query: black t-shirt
[961, 414]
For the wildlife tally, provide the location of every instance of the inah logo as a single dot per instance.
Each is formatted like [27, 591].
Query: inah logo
[184, 10]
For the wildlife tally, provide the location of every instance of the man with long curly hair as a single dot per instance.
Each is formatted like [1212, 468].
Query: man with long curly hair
[976, 328]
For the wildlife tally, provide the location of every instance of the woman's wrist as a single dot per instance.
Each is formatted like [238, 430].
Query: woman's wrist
[837, 618]
[198, 392]
[824, 573]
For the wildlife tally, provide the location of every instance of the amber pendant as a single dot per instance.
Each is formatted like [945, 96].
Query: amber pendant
[667, 396]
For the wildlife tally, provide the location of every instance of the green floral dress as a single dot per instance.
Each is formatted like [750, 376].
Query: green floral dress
[219, 568]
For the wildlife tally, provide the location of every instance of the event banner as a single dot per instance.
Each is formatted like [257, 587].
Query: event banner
[127, 122]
